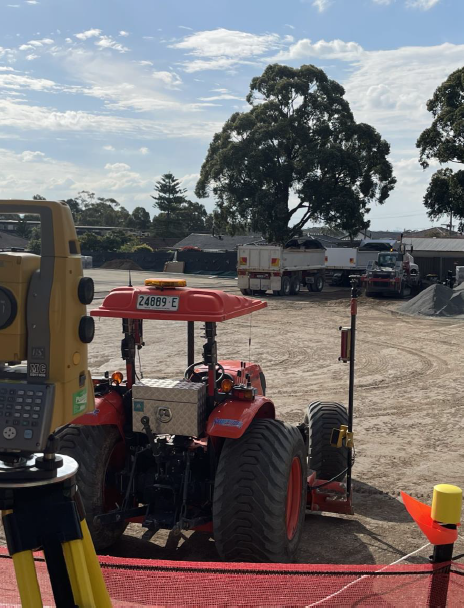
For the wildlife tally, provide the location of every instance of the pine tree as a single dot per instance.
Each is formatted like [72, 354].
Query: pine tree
[169, 200]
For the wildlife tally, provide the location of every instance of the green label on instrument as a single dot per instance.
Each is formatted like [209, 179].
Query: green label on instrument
[139, 405]
[79, 401]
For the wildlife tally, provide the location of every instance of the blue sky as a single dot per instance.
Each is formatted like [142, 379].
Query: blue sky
[107, 95]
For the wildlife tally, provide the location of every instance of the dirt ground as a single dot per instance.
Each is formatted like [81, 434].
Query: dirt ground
[408, 401]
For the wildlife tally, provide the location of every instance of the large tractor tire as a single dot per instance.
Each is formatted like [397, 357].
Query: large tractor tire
[99, 452]
[260, 494]
[327, 461]
[285, 289]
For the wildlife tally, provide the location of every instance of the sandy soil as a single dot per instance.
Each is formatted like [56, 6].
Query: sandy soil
[408, 403]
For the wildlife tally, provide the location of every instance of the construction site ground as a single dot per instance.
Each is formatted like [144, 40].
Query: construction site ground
[408, 407]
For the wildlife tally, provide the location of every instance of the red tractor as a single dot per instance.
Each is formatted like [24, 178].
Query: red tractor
[204, 452]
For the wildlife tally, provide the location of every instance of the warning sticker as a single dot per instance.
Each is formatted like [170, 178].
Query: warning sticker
[139, 405]
[79, 401]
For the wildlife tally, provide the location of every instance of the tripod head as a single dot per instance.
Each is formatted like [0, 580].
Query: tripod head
[44, 332]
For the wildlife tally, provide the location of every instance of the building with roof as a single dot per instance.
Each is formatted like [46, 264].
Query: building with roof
[8, 241]
[206, 241]
[436, 255]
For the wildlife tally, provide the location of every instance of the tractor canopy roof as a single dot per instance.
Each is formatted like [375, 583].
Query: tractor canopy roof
[171, 300]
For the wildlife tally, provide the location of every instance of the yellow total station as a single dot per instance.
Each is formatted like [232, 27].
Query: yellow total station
[44, 331]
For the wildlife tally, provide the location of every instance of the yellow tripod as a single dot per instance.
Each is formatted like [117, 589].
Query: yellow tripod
[46, 514]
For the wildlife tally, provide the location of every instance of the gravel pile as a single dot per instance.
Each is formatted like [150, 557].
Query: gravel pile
[122, 263]
[436, 300]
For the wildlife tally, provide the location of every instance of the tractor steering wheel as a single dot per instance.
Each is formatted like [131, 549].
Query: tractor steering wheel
[190, 373]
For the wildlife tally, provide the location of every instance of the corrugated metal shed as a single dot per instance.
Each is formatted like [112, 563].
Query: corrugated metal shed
[434, 244]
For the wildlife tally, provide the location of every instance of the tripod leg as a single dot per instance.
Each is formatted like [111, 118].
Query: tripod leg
[57, 570]
[100, 592]
[26, 577]
[79, 575]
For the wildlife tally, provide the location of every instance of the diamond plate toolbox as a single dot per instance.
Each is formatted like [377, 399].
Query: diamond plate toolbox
[173, 406]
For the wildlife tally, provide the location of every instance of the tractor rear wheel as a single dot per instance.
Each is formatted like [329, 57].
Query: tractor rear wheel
[260, 494]
[99, 451]
[327, 461]
[245, 291]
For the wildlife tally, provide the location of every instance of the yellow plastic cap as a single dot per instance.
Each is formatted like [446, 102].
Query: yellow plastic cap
[447, 504]
[166, 283]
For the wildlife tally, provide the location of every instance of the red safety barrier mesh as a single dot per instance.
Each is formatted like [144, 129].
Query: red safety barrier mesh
[151, 584]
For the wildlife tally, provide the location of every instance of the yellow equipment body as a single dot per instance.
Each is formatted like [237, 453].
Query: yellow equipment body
[43, 321]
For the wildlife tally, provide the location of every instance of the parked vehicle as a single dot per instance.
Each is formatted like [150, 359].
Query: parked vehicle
[340, 263]
[393, 273]
[282, 269]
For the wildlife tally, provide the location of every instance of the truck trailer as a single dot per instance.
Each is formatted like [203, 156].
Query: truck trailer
[340, 263]
[282, 270]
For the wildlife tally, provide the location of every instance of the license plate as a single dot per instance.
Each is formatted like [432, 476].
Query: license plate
[156, 302]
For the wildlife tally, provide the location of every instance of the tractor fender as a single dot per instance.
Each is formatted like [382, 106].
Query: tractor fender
[109, 411]
[232, 417]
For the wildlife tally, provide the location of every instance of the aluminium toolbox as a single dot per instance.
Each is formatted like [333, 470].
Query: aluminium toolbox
[173, 406]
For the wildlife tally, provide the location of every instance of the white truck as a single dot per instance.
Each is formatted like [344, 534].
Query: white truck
[340, 263]
[281, 269]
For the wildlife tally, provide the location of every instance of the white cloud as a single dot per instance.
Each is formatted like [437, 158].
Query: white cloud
[106, 42]
[144, 62]
[88, 34]
[109, 148]
[32, 2]
[424, 5]
[13, 5]
[223, 49]
[389, 89]
[184, 27]
[19, 81]
[24, 117]
[287, 25]
[144, 150]
[117, 167]
[333, 49]
[29, 155]
[68, 40]
[40, 43]
[57, 179]
[322, 5]
[123, 33]
[222, 42]
[170, 79]
[31, 57]
[223, 96]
